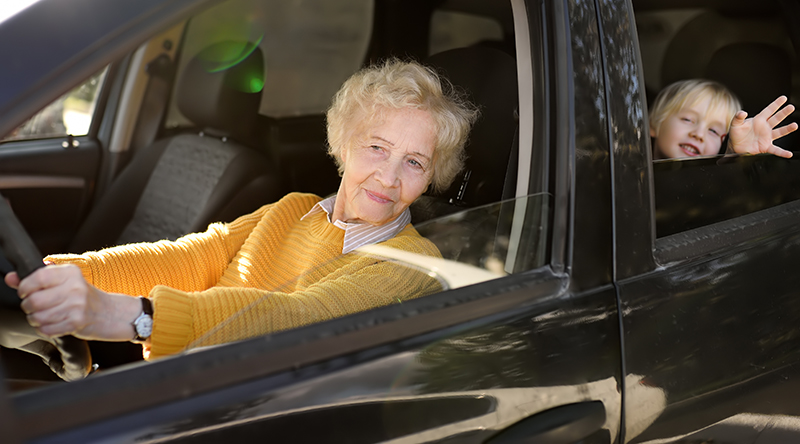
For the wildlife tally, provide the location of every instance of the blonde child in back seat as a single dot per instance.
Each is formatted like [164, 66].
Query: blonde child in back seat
[696, 117]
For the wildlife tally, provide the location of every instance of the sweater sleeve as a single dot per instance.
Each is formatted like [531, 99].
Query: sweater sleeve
[194, 262]
[225, 314]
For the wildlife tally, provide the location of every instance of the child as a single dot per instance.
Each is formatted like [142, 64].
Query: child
[693, 117]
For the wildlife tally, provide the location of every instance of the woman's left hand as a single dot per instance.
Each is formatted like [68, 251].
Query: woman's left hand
[58, 301]
[755, 135]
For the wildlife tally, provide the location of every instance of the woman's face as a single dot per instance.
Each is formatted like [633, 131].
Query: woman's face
[386, 167]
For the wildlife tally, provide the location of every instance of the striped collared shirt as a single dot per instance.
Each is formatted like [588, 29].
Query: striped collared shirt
[358, 235]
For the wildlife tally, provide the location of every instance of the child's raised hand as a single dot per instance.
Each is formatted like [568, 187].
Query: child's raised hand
[756, 134]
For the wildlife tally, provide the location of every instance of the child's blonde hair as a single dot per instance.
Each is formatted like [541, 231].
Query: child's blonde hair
[687, 93]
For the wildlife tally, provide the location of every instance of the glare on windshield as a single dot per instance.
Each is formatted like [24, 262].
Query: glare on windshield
[9, 8]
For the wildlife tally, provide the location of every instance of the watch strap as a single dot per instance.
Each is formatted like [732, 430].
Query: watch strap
[144, 322]
[147, 306]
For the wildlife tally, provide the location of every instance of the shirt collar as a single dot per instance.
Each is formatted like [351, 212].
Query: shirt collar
[359, 234]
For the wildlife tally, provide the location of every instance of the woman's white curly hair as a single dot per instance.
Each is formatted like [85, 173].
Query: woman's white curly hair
[397, 84]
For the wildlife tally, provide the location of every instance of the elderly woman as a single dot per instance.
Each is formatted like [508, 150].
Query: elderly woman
[393, 130]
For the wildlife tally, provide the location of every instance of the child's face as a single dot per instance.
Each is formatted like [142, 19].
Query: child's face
[692, 131]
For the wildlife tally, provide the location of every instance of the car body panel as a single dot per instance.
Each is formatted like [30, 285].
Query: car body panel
[61, 182]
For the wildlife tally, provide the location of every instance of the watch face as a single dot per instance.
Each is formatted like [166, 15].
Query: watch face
[144, 326]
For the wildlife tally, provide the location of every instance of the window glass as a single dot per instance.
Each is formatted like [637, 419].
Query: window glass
[310, 47]
[70, 114]
[451, 29]
[471, 246]
[692, 193]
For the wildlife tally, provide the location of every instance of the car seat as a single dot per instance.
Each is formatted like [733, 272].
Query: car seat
[180, 184]
[488, 76]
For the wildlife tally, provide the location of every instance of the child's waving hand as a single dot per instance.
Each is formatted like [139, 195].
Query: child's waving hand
[756, 134]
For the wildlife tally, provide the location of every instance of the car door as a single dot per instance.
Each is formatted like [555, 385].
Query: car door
[706, 250]
[529, 351]
[49, 164]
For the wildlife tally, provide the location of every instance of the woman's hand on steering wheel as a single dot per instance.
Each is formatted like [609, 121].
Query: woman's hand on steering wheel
[58, 301]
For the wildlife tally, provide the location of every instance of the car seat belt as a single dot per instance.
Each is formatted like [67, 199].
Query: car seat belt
[154, 103]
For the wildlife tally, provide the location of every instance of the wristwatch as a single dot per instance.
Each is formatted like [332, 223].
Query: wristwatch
[143, 325]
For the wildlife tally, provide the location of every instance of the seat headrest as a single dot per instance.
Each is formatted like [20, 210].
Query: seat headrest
[756, 72]
[489, 77]
[745, 54]
[220, 88]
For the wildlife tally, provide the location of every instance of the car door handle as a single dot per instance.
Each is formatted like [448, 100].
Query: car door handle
[564, 424]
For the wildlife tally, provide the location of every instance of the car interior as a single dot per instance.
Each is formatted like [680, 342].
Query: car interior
[289, 151]
[210, 176]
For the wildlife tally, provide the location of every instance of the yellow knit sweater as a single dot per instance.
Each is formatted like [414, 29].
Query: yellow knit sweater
[264, 272]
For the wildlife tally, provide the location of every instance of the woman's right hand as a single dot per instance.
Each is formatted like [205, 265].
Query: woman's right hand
[58, 301]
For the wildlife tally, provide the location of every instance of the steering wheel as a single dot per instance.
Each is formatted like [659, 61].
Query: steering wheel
[67, 356]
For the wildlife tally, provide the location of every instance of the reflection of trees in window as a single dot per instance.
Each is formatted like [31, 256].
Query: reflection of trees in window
[476, 237]
[49, 122]
[486, 236]
[88, 91]
[693, 193]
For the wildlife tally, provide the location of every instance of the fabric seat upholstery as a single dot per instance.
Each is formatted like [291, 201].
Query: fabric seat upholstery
[180, 184]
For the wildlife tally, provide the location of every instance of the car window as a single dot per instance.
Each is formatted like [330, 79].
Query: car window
[471, 246]
[694, 192]
[70, 114]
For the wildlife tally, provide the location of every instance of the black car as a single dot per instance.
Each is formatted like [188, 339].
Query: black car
[591, 294]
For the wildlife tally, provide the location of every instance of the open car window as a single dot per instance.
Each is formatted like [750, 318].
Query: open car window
[471, 246]
[696, 192]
